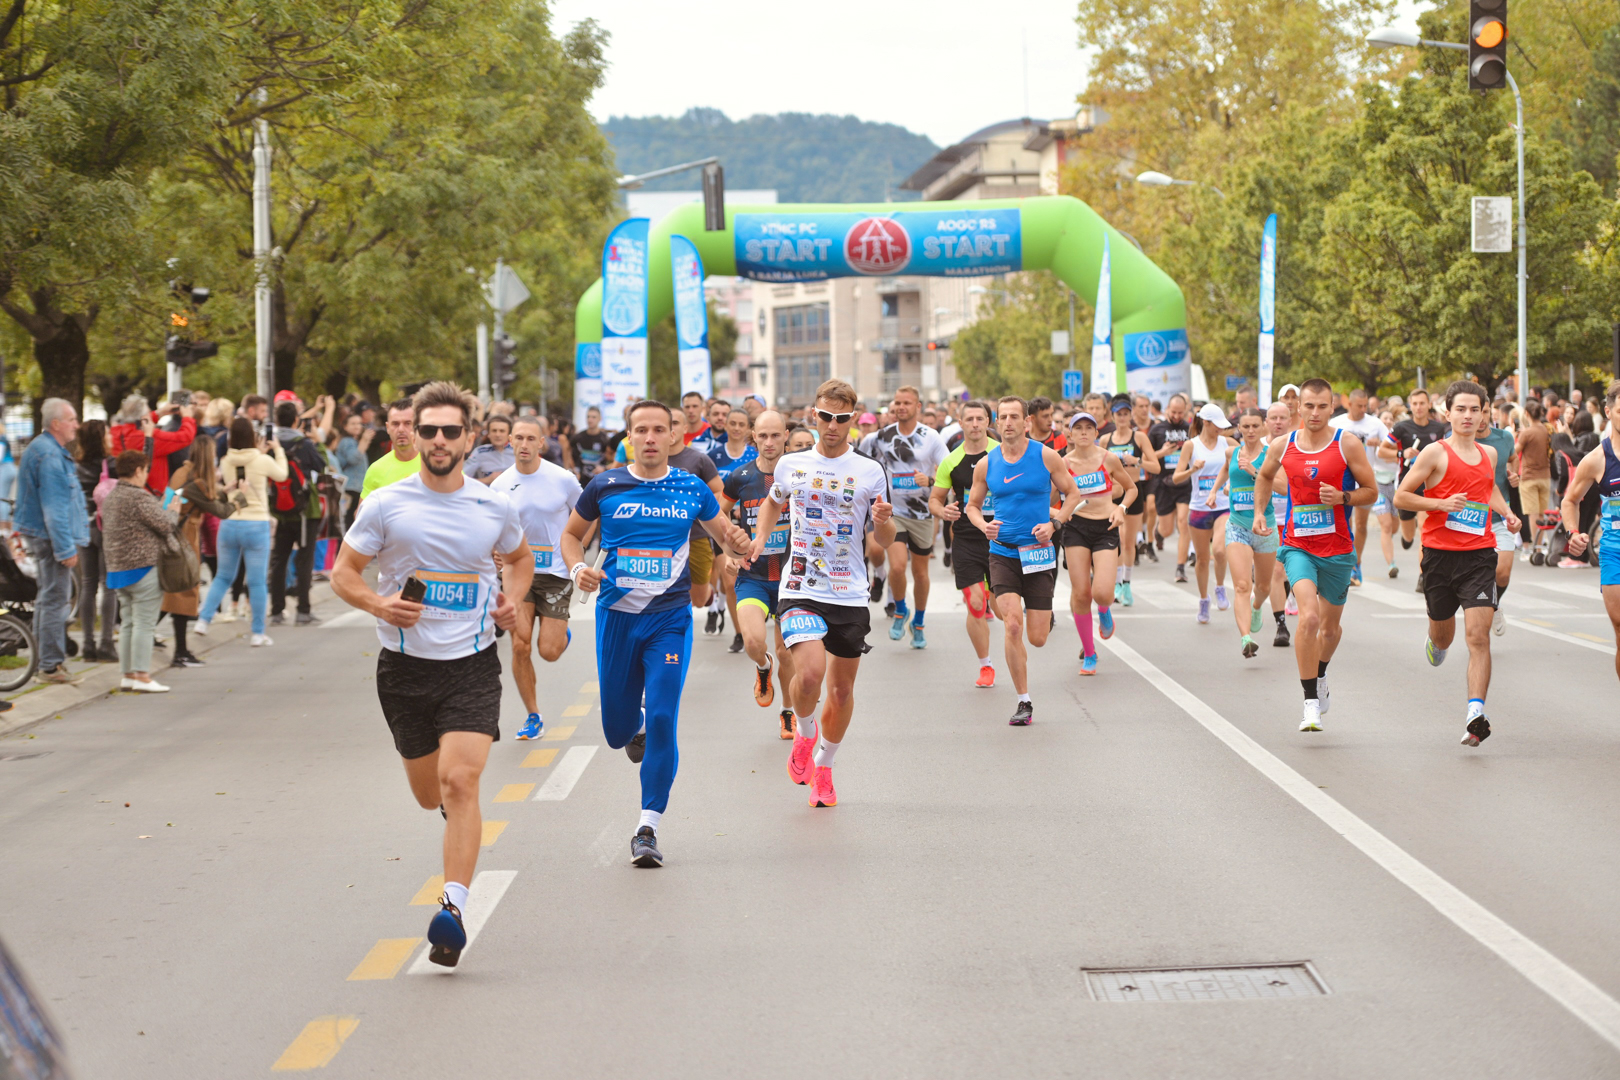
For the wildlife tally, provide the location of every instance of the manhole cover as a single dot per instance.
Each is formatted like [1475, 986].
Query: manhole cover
[1241, 983]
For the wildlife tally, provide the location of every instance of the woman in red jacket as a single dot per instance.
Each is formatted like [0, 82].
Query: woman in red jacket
[136, 423]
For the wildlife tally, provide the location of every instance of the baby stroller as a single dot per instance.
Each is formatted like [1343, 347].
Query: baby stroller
[19, 656]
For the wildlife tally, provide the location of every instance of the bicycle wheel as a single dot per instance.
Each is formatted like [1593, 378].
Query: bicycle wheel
[19, 657]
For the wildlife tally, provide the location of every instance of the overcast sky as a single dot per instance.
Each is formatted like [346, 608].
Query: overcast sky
[944, 69]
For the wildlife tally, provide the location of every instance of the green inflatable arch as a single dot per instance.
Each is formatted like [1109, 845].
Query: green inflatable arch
[1059, 233]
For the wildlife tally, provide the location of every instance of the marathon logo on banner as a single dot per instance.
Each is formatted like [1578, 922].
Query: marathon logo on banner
[1158, 363]
[814, 246]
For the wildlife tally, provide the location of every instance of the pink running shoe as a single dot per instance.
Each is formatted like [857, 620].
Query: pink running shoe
[799, 763]
[821, 790]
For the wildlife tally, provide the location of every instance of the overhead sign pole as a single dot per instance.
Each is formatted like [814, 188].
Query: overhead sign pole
[263, 363]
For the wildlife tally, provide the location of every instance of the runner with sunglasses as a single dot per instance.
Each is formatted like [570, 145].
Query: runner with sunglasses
[829, 492]
[1020, 475]
[1090, 539]
[643, 612]
[438, 671]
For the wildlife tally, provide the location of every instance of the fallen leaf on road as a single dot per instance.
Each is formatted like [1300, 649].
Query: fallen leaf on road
[219, 793]
[146, 836]
[391, 858]
[169, 824]
[126, 804]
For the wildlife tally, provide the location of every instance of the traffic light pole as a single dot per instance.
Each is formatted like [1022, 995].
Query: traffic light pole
[1524, 356]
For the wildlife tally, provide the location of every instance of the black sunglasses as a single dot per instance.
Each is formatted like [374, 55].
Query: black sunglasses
[431, 431]
[835, 418]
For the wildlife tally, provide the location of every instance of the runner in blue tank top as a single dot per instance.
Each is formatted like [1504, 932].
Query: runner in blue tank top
[1021, 475]
[1601, 467]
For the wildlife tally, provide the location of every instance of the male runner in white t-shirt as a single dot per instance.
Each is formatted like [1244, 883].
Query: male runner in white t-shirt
[438, 674]
[544, 494]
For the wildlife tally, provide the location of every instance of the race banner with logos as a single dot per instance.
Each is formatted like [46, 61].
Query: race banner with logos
[587, 380]
[814, 246]
[624, 319]
[1158, 363]
[691, 318]
[1102, 331]
[1268, 308]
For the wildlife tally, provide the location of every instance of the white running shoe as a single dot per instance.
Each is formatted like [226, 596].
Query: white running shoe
[1313, 716]
[1322, 692]
[1220, 598]
[1498, 623]
[201, 629]
[260, 639]
[150, 686]
[1290, 608]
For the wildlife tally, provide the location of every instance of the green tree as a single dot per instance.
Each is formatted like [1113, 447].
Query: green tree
[1008, 349]
[96, 95]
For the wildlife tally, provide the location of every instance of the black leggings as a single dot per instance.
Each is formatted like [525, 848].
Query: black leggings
[179, 622]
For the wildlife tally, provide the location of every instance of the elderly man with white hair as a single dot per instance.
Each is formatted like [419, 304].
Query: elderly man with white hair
[51, 517]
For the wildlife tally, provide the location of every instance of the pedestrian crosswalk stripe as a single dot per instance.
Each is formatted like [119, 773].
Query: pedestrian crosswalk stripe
[514, 793]
[566, 774]
[317, 1044]
[385, 959]
[487, 889]
[577, 710]
[492, 832]
[588, 688]
[429, 893]
[539, 759]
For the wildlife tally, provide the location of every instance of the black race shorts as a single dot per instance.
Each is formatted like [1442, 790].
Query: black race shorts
[1458, 579]
[970, 556]
[841, 630]
[1168, 495]
[1007, 576]
[1139, 504]
[422, 699]
[1092, 533]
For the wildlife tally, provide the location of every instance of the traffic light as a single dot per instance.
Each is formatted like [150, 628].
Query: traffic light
[505, 362]
[1487, 44]
[180, 348]
[182, 353]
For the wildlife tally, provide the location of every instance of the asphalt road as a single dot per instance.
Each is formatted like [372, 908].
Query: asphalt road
[260, 902]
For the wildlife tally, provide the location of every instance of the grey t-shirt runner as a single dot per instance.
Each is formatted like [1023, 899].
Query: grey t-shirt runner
[909, 462]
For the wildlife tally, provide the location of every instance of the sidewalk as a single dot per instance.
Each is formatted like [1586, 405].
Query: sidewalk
[40, 702]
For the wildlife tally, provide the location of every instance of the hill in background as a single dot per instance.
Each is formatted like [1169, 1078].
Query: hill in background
[805, 158]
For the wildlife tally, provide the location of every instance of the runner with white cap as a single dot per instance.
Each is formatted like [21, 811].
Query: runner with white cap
[1202, 463]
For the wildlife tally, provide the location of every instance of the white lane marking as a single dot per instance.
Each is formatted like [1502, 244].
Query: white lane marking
[604, 848]
[565, 774]
[485, 892]
[1558, 980]
[1567, 588]
[349, 618]
[1391, 597]
[1164, 596]
[1595, 646]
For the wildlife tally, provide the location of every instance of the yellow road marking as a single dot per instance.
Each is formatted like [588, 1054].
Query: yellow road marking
[539, 759]
[317, 1044]
[588, 688]
[429, 893]
[1538, 622]
[1592, 637]
[515, 792]
[558, 734]
[577, 710]
[492, 831]
[385, 958]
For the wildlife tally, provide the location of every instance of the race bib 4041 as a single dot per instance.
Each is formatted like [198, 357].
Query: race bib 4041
[450, 594]
[1471, 519]
[799, 626]
[643, 568]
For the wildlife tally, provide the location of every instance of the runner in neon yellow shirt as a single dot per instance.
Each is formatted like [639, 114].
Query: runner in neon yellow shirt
[401, 460]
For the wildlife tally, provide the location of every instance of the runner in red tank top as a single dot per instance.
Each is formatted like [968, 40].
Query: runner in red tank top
[1327, 473]
[1457, 481]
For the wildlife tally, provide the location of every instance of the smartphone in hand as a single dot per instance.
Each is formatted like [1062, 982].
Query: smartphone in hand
[413, 590]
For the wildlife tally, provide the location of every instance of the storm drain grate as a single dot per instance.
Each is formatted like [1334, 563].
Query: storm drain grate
[1246, 982]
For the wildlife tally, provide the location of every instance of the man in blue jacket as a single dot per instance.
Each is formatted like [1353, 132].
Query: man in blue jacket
[51, 516]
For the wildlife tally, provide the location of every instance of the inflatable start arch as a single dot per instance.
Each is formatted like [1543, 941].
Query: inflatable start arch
[814, 241]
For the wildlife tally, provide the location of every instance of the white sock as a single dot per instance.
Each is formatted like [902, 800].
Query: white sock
[642, 730]
[825, 752]
[985, 661]
[1476, 707]
[1119, 574]
[1023, 698]
[807, 724]
[652, 818]
[456, 893]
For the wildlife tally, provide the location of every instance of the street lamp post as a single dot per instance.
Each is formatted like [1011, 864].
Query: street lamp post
[1389, 37]
[1159, 179]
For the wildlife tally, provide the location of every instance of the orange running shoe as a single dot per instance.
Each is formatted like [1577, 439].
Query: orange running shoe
[764, 692]
[987, 676]
[821, 791]
[799, 763]
[787, 723]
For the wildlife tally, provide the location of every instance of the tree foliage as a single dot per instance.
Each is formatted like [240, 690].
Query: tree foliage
[1008, 349]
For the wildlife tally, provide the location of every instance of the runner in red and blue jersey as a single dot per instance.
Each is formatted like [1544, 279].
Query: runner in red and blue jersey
[1327, 473]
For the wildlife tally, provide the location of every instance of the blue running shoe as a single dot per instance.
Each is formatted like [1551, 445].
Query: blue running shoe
[1105, 622]
[1088, 664]
[446, 935]
[1355, 575]
[1125, 594]
[532, 727]
[897, 628]
[918, 641]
